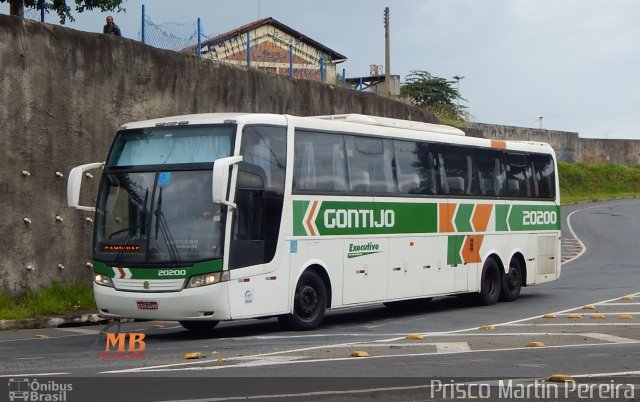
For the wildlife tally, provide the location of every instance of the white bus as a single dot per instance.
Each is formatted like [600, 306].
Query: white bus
[211, 217]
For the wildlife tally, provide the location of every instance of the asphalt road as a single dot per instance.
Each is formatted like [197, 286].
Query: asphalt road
[451, 357]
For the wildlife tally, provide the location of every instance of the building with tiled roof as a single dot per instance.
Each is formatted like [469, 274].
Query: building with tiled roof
[274, 47]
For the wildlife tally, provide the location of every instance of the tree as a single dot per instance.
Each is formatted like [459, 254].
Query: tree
[60, 7]
[437, 94]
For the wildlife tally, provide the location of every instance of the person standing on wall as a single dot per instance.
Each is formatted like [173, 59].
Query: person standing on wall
[111, 28]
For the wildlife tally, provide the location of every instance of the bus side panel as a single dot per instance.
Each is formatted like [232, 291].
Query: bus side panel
[259, 290]
[365, 270]
[548, 257]
[437, 275]
[404, 271]
[326, 254]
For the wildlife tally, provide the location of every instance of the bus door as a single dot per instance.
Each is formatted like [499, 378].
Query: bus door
[255, 232]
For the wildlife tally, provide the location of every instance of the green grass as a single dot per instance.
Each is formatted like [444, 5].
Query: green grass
[56, 298]
[581, 182]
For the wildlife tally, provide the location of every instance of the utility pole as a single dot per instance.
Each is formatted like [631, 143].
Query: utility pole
[541, 127]
[458, 78]
[387, 55]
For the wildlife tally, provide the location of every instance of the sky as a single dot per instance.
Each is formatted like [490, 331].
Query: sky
[575, 63]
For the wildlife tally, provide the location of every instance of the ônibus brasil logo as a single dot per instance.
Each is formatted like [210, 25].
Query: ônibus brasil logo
[26, 389]
[358, 250]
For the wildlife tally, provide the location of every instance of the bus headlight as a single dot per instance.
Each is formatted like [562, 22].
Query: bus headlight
[103, 280]
[207, 279]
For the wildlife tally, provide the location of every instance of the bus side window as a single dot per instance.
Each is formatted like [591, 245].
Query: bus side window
[487, 173]
[373, 157]
[320, 163]
[544, 175]
[518, 176]
[454, 168]
[414, 167]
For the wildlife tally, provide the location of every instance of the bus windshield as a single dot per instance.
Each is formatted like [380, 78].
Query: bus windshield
[171, 145]
[166, 217]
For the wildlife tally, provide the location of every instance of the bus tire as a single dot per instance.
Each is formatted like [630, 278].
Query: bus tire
[490, 283]
[512, 282]
[309, 303]
[198, 326]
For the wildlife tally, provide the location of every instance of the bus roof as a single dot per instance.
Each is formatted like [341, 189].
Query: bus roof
[349, 122]
[395, 123]
[206, 118]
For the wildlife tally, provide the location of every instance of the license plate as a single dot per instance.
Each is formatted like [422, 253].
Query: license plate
[147, 305]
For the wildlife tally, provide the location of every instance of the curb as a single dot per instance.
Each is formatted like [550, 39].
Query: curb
[53, 322]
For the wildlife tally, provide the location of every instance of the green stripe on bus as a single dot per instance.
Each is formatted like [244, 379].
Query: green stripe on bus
[299, 209]
[463, 218]
[372, 218]
[534, 217]
[365, 218]
[517, 218]
[199, 268]
[454, 245]
[502, 211]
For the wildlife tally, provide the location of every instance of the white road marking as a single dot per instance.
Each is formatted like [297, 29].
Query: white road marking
[451, 347]
[167, 368]
[509, 323]
[269, 361]
[80, 330]
[573, 233]
[610, 338]
[30, 374]
[41, 339]
[614, 374]
[610, 314]
[575, 324]
[475, 328]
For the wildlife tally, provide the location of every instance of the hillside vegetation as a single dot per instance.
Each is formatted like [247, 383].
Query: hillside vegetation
[582, 182]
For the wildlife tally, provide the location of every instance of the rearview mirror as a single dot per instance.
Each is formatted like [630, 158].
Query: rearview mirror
[220, 179]
[75, 182]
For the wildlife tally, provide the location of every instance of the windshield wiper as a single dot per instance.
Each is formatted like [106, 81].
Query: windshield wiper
[161, 223]
[139, 226]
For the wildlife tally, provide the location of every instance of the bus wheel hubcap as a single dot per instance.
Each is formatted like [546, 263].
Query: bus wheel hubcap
[308, 301]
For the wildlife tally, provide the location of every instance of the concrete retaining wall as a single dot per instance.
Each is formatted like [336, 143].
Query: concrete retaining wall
[569, 146]
[63, 93]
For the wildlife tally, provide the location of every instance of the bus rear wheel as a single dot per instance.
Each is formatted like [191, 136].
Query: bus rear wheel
[491, 283]
[198, 326]
[309, 303]
[512, 282]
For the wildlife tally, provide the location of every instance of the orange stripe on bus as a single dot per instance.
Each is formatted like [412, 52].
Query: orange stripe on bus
[314, 204]
[446, 217]
[471, 248]
[498, 144]
[481, 216]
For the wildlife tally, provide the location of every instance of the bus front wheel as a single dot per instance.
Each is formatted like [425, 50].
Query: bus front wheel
[309, 303]
[491, 283]
[198, 326]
